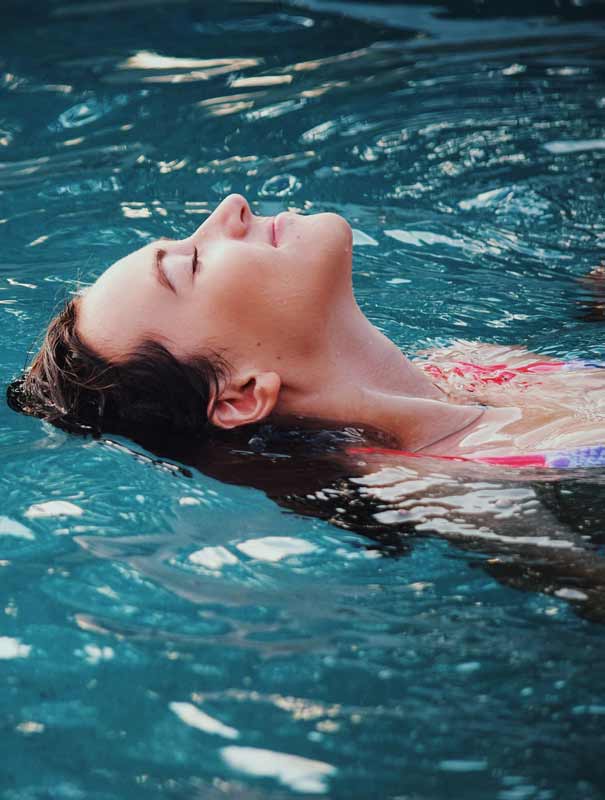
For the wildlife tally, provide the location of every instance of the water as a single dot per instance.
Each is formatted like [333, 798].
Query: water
[258, 623]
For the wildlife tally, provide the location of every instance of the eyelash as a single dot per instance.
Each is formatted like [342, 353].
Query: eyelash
[159, 255]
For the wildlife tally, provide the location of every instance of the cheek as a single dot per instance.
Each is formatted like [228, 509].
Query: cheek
[223, 310]
[240, 277]
[245, 295]
[251, 311]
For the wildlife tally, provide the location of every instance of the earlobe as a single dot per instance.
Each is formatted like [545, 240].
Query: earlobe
[252, 400]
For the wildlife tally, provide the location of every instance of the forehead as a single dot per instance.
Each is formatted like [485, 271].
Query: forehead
[116, 312]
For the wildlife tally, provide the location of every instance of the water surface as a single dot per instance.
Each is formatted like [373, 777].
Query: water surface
[259, 624]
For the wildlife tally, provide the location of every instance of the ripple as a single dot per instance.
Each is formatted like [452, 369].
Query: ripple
[578, 146]
[275, 548]
[509, 200]
[361, 239]
[360, 626]
[103, 7]
[296, 772]
[263, 23]
[280, 186]
[321, 132]
[8, 131]
[195, 718]
[10, 527]
[83, 188]
[148, 67]
[13, 648]
[90, 111]
[53, 508]
[116, 157]
[275, 110]
[420, 238]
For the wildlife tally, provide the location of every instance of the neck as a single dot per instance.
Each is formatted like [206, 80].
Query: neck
[361, 378]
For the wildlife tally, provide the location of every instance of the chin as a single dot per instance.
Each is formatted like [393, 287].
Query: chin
[336, 222]
[335, 232]
[334, 237]
[324, 245]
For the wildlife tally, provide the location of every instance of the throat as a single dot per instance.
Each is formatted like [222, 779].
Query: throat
[361, 378]
[420, 423]
[369, 359]
[411, 422]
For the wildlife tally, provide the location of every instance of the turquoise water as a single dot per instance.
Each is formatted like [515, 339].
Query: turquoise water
[250, 622]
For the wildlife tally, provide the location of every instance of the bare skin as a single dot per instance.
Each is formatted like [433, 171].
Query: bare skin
[274, 297]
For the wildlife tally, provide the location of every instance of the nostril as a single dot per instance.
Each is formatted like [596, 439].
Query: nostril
[242, 213]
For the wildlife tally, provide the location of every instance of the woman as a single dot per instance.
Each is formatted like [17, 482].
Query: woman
[253, 318]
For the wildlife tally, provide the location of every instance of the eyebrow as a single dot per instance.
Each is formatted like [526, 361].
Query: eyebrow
[159, 272]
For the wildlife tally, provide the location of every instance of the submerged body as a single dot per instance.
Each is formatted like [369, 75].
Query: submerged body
[533, 403]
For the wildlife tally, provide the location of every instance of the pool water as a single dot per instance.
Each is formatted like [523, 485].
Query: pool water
[256, 623]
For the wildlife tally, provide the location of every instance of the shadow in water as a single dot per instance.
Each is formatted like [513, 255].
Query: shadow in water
[538, 530]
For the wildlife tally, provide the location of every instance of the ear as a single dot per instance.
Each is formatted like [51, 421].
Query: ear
[250, 400]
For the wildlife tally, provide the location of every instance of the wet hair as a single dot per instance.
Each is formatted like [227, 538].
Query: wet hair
[73, 387]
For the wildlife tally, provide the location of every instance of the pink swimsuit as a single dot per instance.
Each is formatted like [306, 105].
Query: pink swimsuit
[499, 374]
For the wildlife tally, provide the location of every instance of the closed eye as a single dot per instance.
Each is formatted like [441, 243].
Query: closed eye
[159, 272]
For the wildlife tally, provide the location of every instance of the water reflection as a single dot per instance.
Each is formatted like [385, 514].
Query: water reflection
[149, 67]
[519, 520]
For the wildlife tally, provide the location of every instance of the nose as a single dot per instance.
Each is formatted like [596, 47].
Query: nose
[230, 218]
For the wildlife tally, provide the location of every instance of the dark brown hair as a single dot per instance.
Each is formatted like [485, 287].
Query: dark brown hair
[73, 387]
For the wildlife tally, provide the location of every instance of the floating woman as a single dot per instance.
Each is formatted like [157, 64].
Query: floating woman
[254, 319]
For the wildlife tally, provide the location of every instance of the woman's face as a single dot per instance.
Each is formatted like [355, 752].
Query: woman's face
[242, 285]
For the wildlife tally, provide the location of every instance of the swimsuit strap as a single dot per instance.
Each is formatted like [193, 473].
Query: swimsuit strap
[589, 456]
[581, 457]
[532, 367]
[502, 372]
